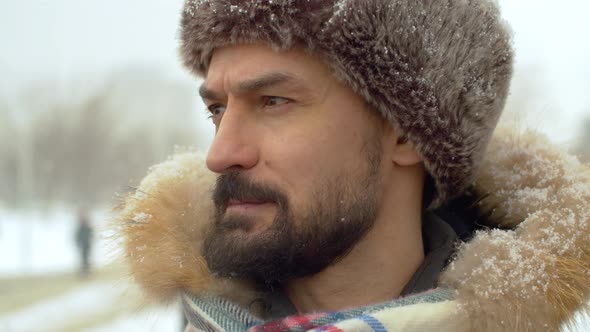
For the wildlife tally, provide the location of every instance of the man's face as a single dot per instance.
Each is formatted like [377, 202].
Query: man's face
[299, 161]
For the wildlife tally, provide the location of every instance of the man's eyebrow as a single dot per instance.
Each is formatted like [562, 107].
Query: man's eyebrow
[264, 81]
[207, 93]
[252, 85]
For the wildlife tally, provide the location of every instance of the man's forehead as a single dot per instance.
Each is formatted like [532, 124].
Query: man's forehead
[259, 50]
[246, 68]
[249, 60]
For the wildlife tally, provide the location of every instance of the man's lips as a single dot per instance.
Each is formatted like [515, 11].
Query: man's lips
[234, 203]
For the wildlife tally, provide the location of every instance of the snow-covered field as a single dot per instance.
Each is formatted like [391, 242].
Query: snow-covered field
[36, 243]
[146, 321]
[93, 303]
[55, 311]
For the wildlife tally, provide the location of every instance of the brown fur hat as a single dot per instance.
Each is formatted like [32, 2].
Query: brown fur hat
[438, 70]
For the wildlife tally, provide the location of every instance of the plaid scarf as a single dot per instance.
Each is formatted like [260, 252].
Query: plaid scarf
[212, 314]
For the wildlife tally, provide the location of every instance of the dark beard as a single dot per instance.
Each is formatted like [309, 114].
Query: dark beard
[340, 213]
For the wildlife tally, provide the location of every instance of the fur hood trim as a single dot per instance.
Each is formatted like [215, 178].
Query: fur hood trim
[530, 272]
[534, 275]
[437, 70]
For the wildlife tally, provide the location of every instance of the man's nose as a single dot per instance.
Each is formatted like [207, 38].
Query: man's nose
[233, 146]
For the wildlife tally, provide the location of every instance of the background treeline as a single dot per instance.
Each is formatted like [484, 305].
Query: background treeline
[79, 145]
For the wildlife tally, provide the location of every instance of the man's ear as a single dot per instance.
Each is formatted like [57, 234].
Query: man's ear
[404, 153]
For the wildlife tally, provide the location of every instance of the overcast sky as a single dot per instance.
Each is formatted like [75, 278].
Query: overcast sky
[72, 39]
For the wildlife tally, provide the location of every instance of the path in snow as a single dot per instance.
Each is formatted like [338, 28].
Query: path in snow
[97, 306]
[157, 320]
[59, 311]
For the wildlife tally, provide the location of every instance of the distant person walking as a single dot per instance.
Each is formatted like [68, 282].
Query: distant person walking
[84, 241]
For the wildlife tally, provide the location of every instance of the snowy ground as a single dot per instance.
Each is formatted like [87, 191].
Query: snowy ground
[146, 321]
[95, 307]
[44, 242]
[58, 310]
[40, 270]
[42, 274]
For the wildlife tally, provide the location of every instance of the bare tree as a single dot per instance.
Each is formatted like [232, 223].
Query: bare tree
[8, 156]
[582, 149]
[83, 149]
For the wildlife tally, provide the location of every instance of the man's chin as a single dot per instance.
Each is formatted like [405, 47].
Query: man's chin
[247, 234]
[237, 253]
[239, 221]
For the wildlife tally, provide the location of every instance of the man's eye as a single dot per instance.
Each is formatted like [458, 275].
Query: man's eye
[215, 110]
[271, 101]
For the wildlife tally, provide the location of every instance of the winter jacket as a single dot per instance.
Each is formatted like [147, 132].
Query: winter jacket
[524, 264]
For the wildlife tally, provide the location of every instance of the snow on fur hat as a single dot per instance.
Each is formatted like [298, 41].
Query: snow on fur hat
[438, 70]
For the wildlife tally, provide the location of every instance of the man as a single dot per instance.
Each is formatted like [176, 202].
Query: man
[350, 160]
[83, 239]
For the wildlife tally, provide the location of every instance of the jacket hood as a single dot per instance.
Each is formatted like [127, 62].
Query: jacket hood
[530, 270]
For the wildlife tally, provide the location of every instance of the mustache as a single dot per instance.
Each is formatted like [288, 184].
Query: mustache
[236, 186]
